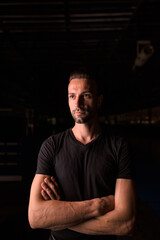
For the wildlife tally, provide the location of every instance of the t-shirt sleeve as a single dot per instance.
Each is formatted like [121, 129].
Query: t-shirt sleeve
[125, 161]
[46, 157]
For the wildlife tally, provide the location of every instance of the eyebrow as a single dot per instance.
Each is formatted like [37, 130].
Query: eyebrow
[87, 91]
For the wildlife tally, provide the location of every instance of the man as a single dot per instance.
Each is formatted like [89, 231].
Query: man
[83, 187]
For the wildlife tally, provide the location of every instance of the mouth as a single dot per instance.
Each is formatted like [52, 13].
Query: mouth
[78, 112]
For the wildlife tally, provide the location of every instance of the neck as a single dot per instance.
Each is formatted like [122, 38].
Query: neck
[85, 133]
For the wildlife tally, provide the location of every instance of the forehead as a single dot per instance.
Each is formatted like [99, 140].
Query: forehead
[82, 84]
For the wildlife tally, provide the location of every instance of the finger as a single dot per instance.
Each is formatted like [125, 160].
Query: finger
[48, 191]
[52, 179]
[56, 186]
[45, 195]
[53, 186]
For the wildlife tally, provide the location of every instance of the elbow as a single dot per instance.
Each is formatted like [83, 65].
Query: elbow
[132, 227]
[33, 220]
[128, 228]
[37, 220]
[32, 223]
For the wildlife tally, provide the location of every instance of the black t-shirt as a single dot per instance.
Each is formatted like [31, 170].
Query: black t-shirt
[84, 171]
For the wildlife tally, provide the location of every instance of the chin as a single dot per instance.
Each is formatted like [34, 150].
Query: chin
[79, 121]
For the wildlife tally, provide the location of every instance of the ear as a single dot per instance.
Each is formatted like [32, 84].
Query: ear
[100, 100]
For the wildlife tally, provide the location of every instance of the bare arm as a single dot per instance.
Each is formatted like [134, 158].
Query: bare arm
[119, 221]
[57, 215]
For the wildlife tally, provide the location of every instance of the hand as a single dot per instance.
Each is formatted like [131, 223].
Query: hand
[104, 204]
[109, 202]
[50, 189]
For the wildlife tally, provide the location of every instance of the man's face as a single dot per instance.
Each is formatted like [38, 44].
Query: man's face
[83, 99]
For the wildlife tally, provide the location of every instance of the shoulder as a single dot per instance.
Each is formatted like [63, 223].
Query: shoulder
[56, 139]
[112, 136]
[116, 142]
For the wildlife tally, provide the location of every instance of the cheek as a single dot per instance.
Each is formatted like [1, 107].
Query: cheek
[70, 104]
[92, 106]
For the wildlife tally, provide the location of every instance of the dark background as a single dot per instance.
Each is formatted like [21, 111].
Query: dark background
[41, 42]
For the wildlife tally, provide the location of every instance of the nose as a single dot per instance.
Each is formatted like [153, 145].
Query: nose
[79, 102]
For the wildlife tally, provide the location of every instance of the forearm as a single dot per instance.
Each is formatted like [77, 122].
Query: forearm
[121, 220]
[45, 211]
[58, 215]
[112, 223]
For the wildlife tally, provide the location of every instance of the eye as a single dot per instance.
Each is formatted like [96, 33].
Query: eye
[71, 96]
[87, 95]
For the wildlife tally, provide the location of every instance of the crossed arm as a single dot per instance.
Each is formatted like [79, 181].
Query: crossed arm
[100, 216]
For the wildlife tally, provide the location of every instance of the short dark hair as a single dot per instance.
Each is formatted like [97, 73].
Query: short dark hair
[80, 74]
[85, 73]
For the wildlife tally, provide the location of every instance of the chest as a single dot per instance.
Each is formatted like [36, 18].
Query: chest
[88, 162]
